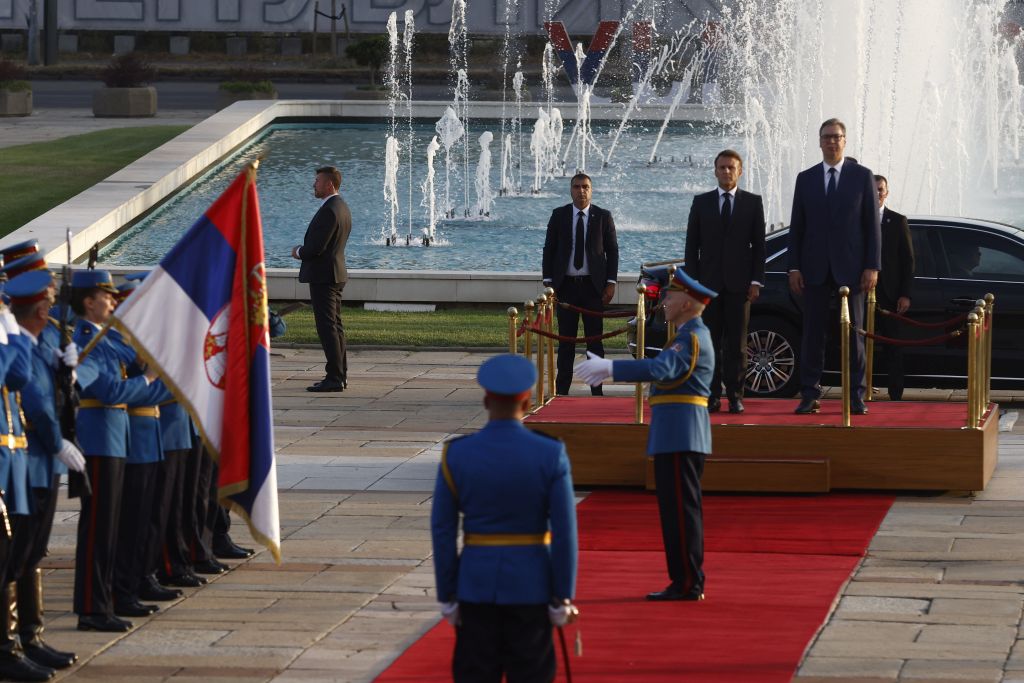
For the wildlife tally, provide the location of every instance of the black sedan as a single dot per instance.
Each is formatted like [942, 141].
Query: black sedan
[958, 260]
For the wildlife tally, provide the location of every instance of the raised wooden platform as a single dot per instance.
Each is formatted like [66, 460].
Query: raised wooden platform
[897, 446]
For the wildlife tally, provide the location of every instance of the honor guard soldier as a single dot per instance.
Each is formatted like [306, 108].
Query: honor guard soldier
[102, 427]
[516, 574]
[679, 438]
[49, 456]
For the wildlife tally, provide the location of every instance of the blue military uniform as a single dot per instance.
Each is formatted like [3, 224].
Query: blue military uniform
[679, 439]
[514, 489]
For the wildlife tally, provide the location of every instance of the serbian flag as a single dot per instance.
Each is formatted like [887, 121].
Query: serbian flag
[201, 318]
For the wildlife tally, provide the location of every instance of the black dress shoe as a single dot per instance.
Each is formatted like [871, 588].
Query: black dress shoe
[187, 580]
[736, 406]
[858, 408]
[210, 566]
[151, 590]
[101, 622]
[808, 406]
[597, 391]
[714, 404]
[673, 592]
[226, 549]
[43, 654]
[895, 394]
[134, 608]
[325, 386]
[15, 667]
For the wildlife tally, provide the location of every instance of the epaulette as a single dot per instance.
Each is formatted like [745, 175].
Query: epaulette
[53, 321]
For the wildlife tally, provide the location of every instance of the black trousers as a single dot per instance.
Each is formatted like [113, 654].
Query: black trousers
[98, 526]
[514, 640]
[326, 301]
[164, 536]
[726, 317]
[137, 502]
[812, 351]
[197, 534]
[677, 479]
[578, 291]
[31, 533]
[892, 328]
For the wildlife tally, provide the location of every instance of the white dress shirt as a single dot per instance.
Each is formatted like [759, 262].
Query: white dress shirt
[839, 171]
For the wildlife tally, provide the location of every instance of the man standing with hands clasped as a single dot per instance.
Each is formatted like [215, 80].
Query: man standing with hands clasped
[725, 250]
[581, 262]
[680, 435]
[894, 284]
[834, 241]
[322, 253]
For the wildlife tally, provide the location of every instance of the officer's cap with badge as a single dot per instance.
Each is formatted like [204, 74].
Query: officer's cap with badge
[681, 282]
[93, 279]
[28, 288]
[15, 267]
[19, 250]
[507, 376]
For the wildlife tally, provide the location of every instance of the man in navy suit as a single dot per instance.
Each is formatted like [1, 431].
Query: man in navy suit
[725, 251]
[835, 240]
[894, 283]
[582, 276]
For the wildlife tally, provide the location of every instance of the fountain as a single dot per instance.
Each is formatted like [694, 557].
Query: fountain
[429, 198]
[484, 196]
[451, 130]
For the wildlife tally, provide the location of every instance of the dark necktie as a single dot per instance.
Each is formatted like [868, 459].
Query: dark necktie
[726, 209]
[831, 182]
[577, 256]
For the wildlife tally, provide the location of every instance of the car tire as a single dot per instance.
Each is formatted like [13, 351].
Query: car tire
[773, 349]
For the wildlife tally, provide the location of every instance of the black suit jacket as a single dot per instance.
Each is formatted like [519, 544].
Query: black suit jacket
[726, 258]
[897, 275]
[840, 234]
[323, 248]
[602, 247]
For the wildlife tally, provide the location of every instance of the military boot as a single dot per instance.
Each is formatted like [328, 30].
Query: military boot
[30, 624]
[14, 666]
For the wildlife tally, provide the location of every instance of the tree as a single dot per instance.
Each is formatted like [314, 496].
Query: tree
[371, 52]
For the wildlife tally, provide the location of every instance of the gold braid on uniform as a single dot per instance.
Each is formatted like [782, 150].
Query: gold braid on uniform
[447, 472]
[693, 364]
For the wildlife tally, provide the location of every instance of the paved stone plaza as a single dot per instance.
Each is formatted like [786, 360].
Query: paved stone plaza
[938, 598]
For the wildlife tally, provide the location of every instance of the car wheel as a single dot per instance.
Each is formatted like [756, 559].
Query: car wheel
[772, 350]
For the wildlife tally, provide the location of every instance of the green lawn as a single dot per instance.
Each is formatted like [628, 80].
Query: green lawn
[37, 177]
[459, 327]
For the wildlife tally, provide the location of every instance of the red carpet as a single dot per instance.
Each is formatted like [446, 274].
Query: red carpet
[763, 411]
[774, 567]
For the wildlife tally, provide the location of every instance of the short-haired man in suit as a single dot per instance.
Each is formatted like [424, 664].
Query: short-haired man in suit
[581, 262]
[725, 251]
[834, 240]
[894, 283]
[322, 253]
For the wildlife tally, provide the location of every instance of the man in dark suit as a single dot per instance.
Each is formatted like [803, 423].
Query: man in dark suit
[835, 240]
[725, 251]
[322, 253]
[894, 283]
[581, 262]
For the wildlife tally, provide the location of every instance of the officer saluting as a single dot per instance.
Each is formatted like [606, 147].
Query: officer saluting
[680, 434]
[516, 575]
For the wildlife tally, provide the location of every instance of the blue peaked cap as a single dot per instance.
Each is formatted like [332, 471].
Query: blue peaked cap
[507, 374]
[681, 282]
[136, 277]
[28, 287]
[93, 279]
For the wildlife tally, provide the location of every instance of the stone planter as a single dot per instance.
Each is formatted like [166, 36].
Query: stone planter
[124, 102]
[15, 102]
[226, 98]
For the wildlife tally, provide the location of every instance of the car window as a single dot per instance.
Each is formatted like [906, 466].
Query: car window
[924, 259]
[775, 248]
[972, 254]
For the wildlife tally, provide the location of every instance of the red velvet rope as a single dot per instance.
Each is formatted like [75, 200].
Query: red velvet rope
[912, 342]
[579, 340]
[917, 323]
[623, 313]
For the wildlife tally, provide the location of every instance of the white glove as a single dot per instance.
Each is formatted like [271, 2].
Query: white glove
[71, 456]
[450, 612]
[594, 369]
[70, 355]
[8, 322]
[3, 336]
[560, 615]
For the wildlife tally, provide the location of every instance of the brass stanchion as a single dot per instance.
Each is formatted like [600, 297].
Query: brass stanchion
[972, 369]
[869, 345]
[528, 334]
[844, 337]
[513, 327]
[979, 384]
[990, 305]
[553, 304]
[641, 346]
[542, 309]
